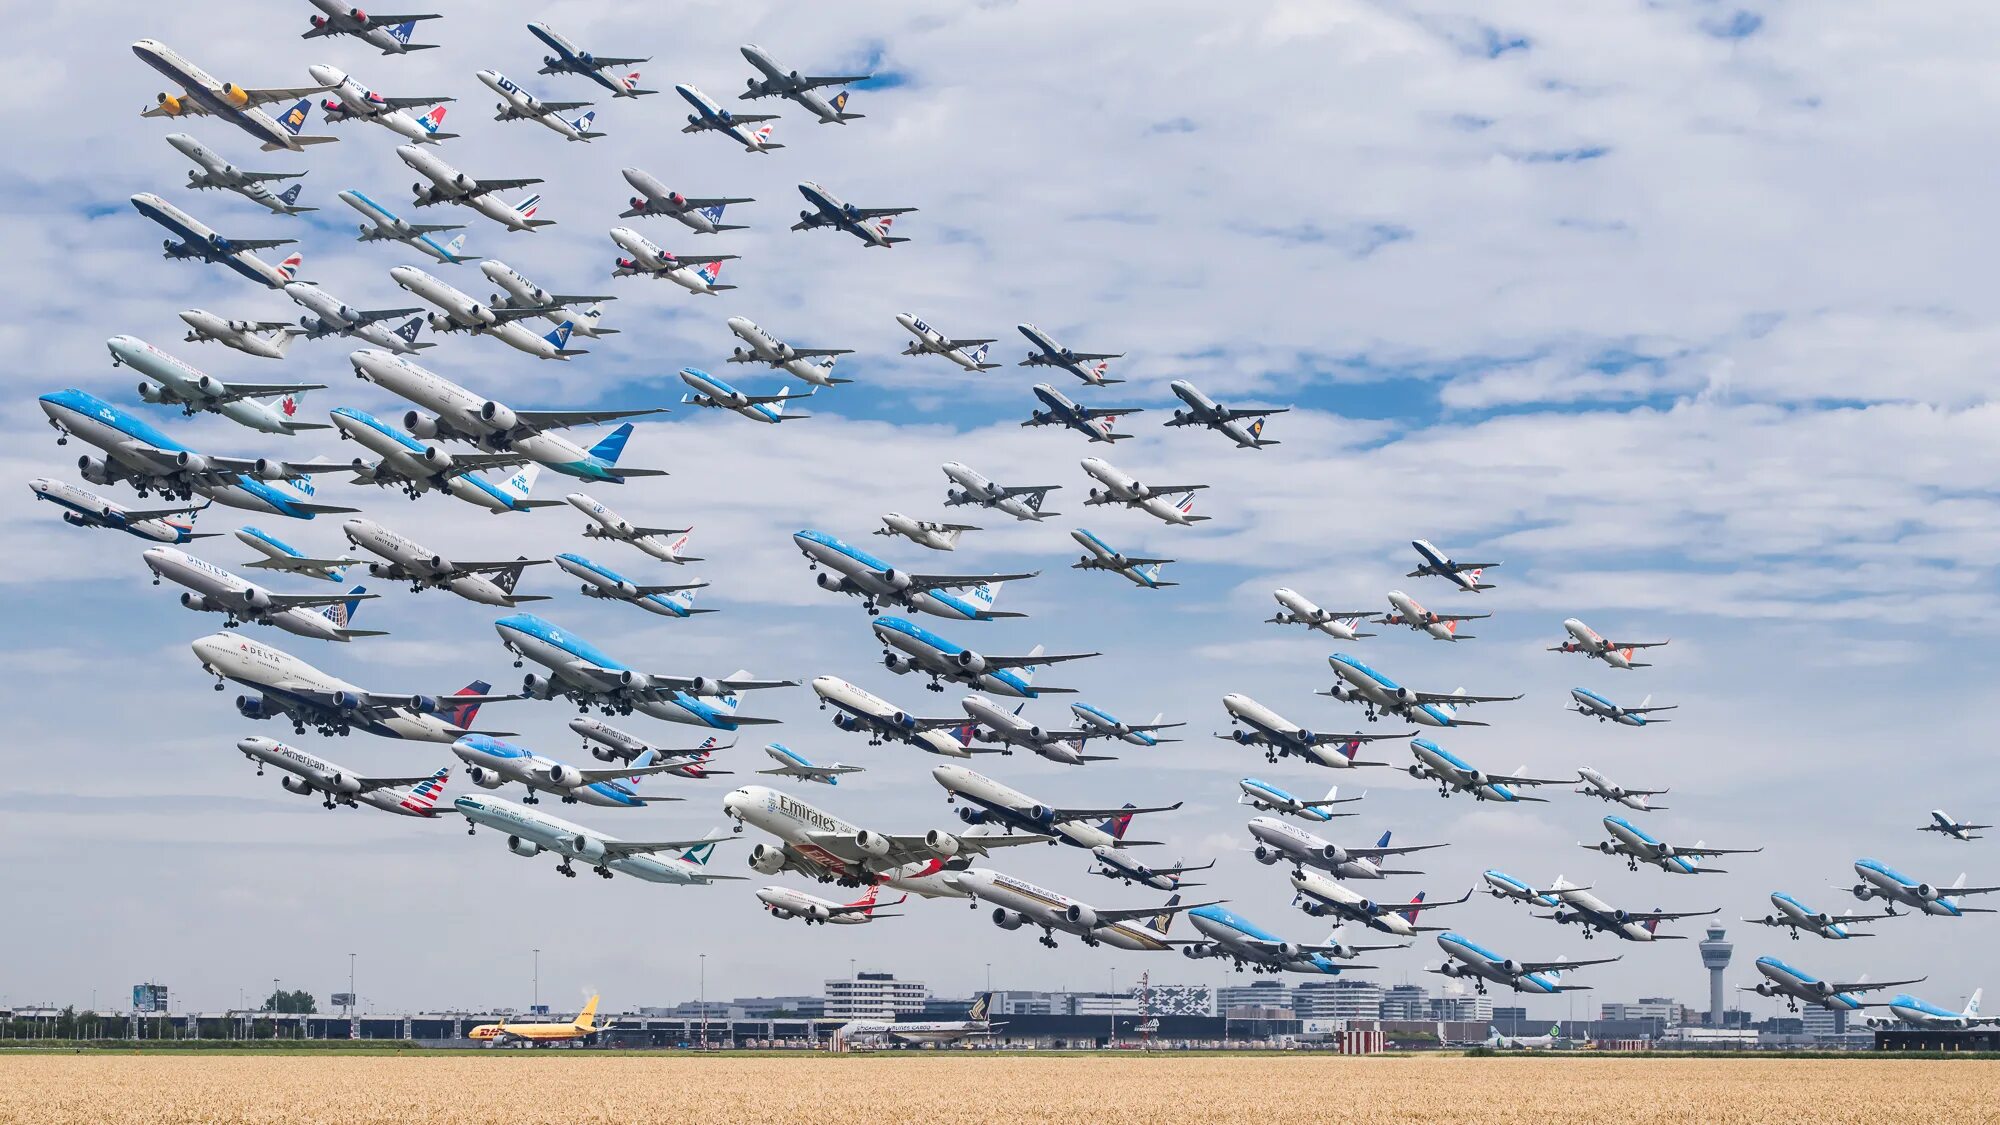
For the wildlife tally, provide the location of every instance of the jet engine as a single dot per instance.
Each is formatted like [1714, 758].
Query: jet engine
[424, 427]
[250, 708]
[561, 776]
[767, 859]
[1266, 855]
[1081, 915]
[1765, 988]
[171, 105]
[1417, 772]
[522, 847]
[1511, 967]
[896, 579]
[897, 662]
[498, 416]
[1008, 919]
[297, 785]
[1607, 847]
[1863, 891]
[199, 602]
[971, 815]
[485, 778]
[1926, 892]
[537, 687]
[944, 844]
[971, 662]
[234, 95]
[1450, 969]
[1333, 853]
[603, 754]
[1194, 952]
[590, 849]
[872, 843]
[1822, 919]
[148, 392]
[193, 463]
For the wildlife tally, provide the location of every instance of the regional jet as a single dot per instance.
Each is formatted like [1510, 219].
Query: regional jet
[861, 710]
[387, 34]
[265, 339]
[1296, 609]
[1254, 724]
[1466, 958]
[307, 774]
[851, 570]
[1235, 938]
[925, 533]
[1879, 880]
[1379, 695]
[996, 725]
[1454, 775]
[330, 316]
[709, 117]
[667, 599]
[1093, 422]
[449, 185]
[869, 224]
[1596, 785]
[288, 686]
[458, 312]
[579, 310]
[714, 394]
[1438, 626]
[1576, 904]
[282, 556]
[908, 648]
[662, 543]
[1632, 842]
[517, 104]
[1116, 863]
[1795, 985]
[496, 762]
[199, 241]
[1589, 703]
[211, 589]
[1266, 797]
[785, 903]
[1143, 572]
[351, 101]
[1320, 896]
[1103, 724]
[1023, 502]
[203, 96]
[799, 88]
[383, 225]
[1203, 411]
[1278, 841]
[990, 802]
[175, 383]
[587, 676]
[404, 463]
[1121, 487]
[1017, 902]
[696, 273]
[821, 846]
[1794, 915]
[83, 508]
[219, 173]
[1048, 353]
[530, 832]
[1466, 576]
[1586, 640]
[1943, 824]
[406, 560]
[969, 354]
[569, 60]
[793, 764]
[702, 215]
[775, 353]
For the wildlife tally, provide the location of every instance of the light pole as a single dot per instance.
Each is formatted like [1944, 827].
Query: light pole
[1113, 1005]
[350, 984]
[989, 976]
[538, 979]
[701, 1000]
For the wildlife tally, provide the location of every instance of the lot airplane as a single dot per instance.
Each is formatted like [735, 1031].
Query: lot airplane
[1023, 502]
[384, 225]
[861, 710]
[1589, 703]
[1466, 576]
[869, 224]
[909, 648]
[1379, 695]
[406, 560]
[308, 774]
[265, 339]
[1879, 880]
[1467, 958]
[1596, 785]
[84, 508]
[989, 802]
[200, 241]
[568, 59]
[778, 355]
[696, 273]
[1266, 797]
[288, 686]
[176, 383]
[793, 764]
[1794, 915]
[1296, 609]
[1576, 904]
[352, 101]
[822, 846]
[587, 676]
[851, 570]
[331, 316]
[580, 311]
[1943, 824]
[1320, 896]
[211, 589]
[1203, 411]
[714, 394]
[671, 599]
[1278, 841]
[785, 903]
[1048, 353]
[708, 117]
[531, 832]
[1797, 985]
[1586, 640]
[219, 173]
[969, 354]
[1120, 487]
[702, 215]
[1454, 775]
[1438, 626]
[1632, 842]
[662, 543]
[449, 185]
[517, 104]
[203, 96]
[1257, 725]
[387, 34]
[925, 533]
[799, 88]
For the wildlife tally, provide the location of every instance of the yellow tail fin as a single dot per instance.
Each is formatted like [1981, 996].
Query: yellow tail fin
[587, 1018]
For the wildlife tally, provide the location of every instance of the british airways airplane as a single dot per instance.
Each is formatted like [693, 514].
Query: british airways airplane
[1379, 695]
[851, 570]
[199, 240]
[1466, 576]
[1093, 422]
[569, 60]
[909, 648]
[709, 117]
[1879, 880]
[585, 674]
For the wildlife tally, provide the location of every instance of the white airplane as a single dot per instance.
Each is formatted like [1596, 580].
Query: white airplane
[1120, 487]
[307, 774]
[1143, 572]
[799, 88]
[861, 710]
[910, 648]
[493, 763]
[406, 560]
[83, 508]
[1794, 915]
[211, 589]
[384, 225]
[969, 354]
[1465, 958]
[1017, 903]
[1116, 863]
[793, 764]
[668, 599]
[580, 311]
[709, 117]
[607, 743]
[1266, 797]
[662, 543]
[458, 312]
[989, 802]
[1596, 785]
[1795, 985]
[775, 353]
[1022, 502]
[175, 383]
[200, 242]
[1586, 640]
[568, 59]
[869, 224]
[517, 104]
[1253, 724]
[387, 34]
[1203, 411]
[1093, 422]
[700, 215]
[449, 185]
[1454, 774]
[1879, 880]
[997, 726]
[1320, 896]
[203, 96]
[1280, 841]
[851, 570]
[1591, 704]
[404, 463]
[925, 1031]
[1296, 609]
[712, 393]
[265, 339]
[1550, 1040]
[1576, 904]
[1438, 626]
[1637, 846]
[1943, 824]
[1913, 1012]
[1103, 724]
[1379, 695]
[219, 173]
[925, 533]
[330, 316]
[531, 832]
[1466, 576]
[351, 101]
[696, 273]
[589, 677]
[819, 845]
[288, 686]
[282, 556]
[1048, 353]
[785, 903]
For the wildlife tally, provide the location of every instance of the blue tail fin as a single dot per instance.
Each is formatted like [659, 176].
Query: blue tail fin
[582, 124]
[342, 613]
[1383, 842]
[612, 445]
[291, 194]
[410, 329]
[294, 119]
[401, 32]
[560, 336]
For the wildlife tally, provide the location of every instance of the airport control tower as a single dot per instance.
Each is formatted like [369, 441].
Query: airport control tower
[1715, 957]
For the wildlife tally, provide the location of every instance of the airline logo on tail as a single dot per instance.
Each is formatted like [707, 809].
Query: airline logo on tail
[430, 121]
[978, 355]
[1410, 916]
[839, 103]
[761, 135]
[582, 124]
[452, 248]
[560, 337]
[289, 405]
[401, 32]
[1186, 505]
[1257, 428]
[295, 118]
[698, 855]
[424, 798]
[527, 207]
[1116, 826]
[632, 80]
[416, 323]
[1652, 924]
[1158, 923]
[341, 613]
[290, 266]
[708, 272]
[462, 715]
[291, 194]
[713, 214]
[984, 1004]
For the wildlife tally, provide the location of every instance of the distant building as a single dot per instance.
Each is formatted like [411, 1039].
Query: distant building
[1661, 1008]
[1102, 1003]
[1821, 1023]
[1504, 1014]
[1340, 999]
[715, 1011]
[1181, 1000]
[1715, 953]
[1462, 1009]
[874, 996]
[762, 1007]
[1256, 994]
[1406, 1002]
[1018, 1003]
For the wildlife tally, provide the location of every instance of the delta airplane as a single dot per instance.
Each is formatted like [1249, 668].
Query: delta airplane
[1943, 824]
[671, 599]
[531, 832]
[1048, 353]
[1203, 411]
[1466, 958]
[1455, 775]
[1589, 703]
[387, 34]
[607, 743]
[851, 570]
[1596, 785]
[1577, 904]
[199, 241]
[1586, 640]
[384, 225]
[785, 903]
[860, 710]
[714, 394]
[969, 354]
[1277, 840]
[458, 312]
[352, 101]
[1121, 487]
[1023, 502]
[908, 648]
[796, 87]
[407, 464]
[1921, 1013]
[330, 316]
[580, 311]
[998, 726]
[869, 224]
[280, 555]
[406, 560]
[1115, 863]
[211, 589]
[1637, 847]
[568, 60]
[822, 846]
[153, 462]
[662, 543]
[265, 339]
[1379, 695]
[696, 273]
[219, 173]
[1103, 724]
[449, 185]
[1320, 896]
[1093, 422]
[306, 774]
[1242, 941]
[1143, 572]
[203, 96]
[775, 353]
[1795, 985]
[990, 802]
[288, 686]
[585, 675]
[700, 215]
[1017, 902]
[494, 762]
[1297, 610]
[793, 764]
[1438, 626]
[1794, 915]
[709, 117]
[83, 508]
[176, 383]
[1266, 797]
[1879, 880]
[925, 533]
[1280, 736]
[459, 415]
[517, 104]
[1499, 884]
[1466, 576]
[926, 1031]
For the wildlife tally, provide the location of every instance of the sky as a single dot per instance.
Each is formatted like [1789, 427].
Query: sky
[1682, 311]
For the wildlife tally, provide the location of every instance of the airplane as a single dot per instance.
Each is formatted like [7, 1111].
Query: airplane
[585, 675]
[135, 451]
[384, 225]
[1048, 353]
[353, 101]
[672, 599]
[850, 570]
[696, 273]
[989, 802]
[1455, 775]
[1879, 880]
[531, 832]
[1143, 572]
[406, 560]
[1204, 411]
[495, 762]
[1596, 785]
[1586, 640]
[607, 524]
[1466, 576]
[791, 763]
[1911, 1011]
[200, 241]
[219, 173]
[1550, 1040]
[1018, 902]
[83, 508]
[1320, 896]
[995, 725]
[306, 774]
[1093, 422]
[969, 354]
[1277, 840]
[796, 87]
[778, 355]
[1121, 487]
[288, 686]
[1116, 863]
[860, 710]
[330, 316]
[1266, 797]
[1023, 502]
[1281, 737]
[405, 463]
[1943, 824]
[869, 224]
[1438, 626]
[517, 104]
[909, 648]
[1593, 705]
[926, 1031]
[925, 533]
[211, 589]
[1501, 885]
[533, 1034]
[203, 96]
[607, 743]
[1577, 904]
[1103, 724]
[1795, 985]
[265, 339]
[388, 34]
[449, 185]
[459, 415]
[714, 394]
[176, 383]
[568, 60]
[458, 312]
[517, 292]
[709, 117]
[1296, 609]
[1793, 915]
[1467, 958]
[785, 903]
[1636, 846]
[280, 555]
[700, 215]
[1242, 941]
[821, 846]
[1379, 695]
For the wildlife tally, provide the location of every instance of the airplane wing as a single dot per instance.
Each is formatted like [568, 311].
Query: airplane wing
[1136, 912]
[1559, 966]
[485, 187]
[953, 344]
[1152, 490]
[1080, 356]
[1322, 739]
[1402, 907]
[656, 683]
[762, 399]
[230, 245]
[1643, 710]
[642, 532]
[370, 316]
[564, 419]
[1233, 415]
[1703, 852]
[234, 391]
[614, 774]
[1442, 697]
[814, 83]
[718, 201]
[668, 588]
[1112, 412]
[563, 107]
[380, 703]
[370, 784]
[1667, 915]
[307, 601]
[415, 229]
[1508, 779]
[1954, 891]
[1377, 853]
[812, 222]
[808, 353]
[482, 567]
[641, 847]
[391, 21]
[1460, 616]
[746, 119]
[813, 771]
[411, 103]
[955, 581]
[600, 62]
[1872, 986]
[879, 212]
[1062, 816]
[1034, 661]
[254, 98]
[676, 260]
[1637, 644]
[289, 563]
[158, 513]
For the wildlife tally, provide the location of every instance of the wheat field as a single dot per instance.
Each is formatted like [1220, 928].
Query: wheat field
[549, 1088]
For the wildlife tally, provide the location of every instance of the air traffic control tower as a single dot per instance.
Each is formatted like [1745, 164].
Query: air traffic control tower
[1715, 958]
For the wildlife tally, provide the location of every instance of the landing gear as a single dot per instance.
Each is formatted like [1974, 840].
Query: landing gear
[568, 872]
[602, 872]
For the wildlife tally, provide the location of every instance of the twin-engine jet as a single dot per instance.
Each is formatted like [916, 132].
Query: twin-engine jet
[531, 832]
[1592, 705]
[969, 354]
[1637, 846]
[850, 570]
[84, 508]
[1023, 502]
[1257, 725]
[1087, 366]
[211, 589]
[569, 59]
[1793, 915]
[288, 686]
[199, 242]
[404, 463]
[908, 648]
[1121, 487]
[517, 104]
[1464, 575]
[702, 215]
[1093, 422]
[384, 225]
[696, 273]
[708, 117]
[1017, 903]
[203, 96]
[662, 543]
[1577, 905]
[1379, 695]
[1407, 611]
[1454, 775]
[1320, 896]
[793, 764]
[176, 383]
[351, 101]
[1278, 841]
[406, 560]
[775, 353]
[388, 34]
[1466, 958]
[714, 394]
[869, 224]
[328, 315]
[1595, 784]
[990, 802]
[1586, 640]
[925, 533]
[860, 710]
[337, 786]
[219, 173]
[1138, 570]
[1204, 411]
[589, 677]
[449, 185]
[799, 88]
[663, 599]
[581, 311]
[1296, 609]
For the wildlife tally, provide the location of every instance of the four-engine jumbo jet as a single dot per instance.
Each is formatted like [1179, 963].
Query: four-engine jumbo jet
[1592, 705]
[384, 225]
[1023, 502]
[320, 617]
[1278, 841]
[331, 316]
[925, 533]
[1280, 736]
[1379, 695]
[199, 241]
[822, 846]
[1466, 958]
[1794, 915]
[219, 173]
[1586, 640]
[714, 394]
[288, 686]
[851, 570]
[1576, 904]
[700, 215]
[778, 355]
[351, 101]
[531, 832]
[580, 311]
[1017, 902]
[1320, 896]
[1266, 797]
[495, 762]
[307, 774]
[785, 903]
[84, 508]
[909, 648]
[1632, 842]
[406, 560]
[387, 34]
[989, 802]
[1048, 353]
[793, 764]
[406, 464]
[667, 599]
[1121, 487]
[1142, 572]
[1298, 610]
[569, 60]
[1795, 985]
[696, 273]
[1944, 825]
[203, 96]
[708, 117]
[1235, 938]
[176, 383]
[1466, 576]
[869, 224]
[861, 710]
[799, 88]
[998, 726]
[458, 312]
[969, 354]
[587, 676]
[1438, 626]
[265, 339]
[1204, 411]
[449, 185]
[662, 543]
[517, 104]
[1454, 775]
[1879, 880]
[1093, 422]
[1595, 784]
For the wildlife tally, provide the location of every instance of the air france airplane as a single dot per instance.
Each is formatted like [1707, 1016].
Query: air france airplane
[1467, 958]
[1023, 502]
[869, 224]
[1795, 985]
[851, 570]
[1455, 775]
[406, 560]
[1879, 880]
[1116, 863]
[1593, 705]
[353, 101]
[1203, 411]
[1597, 785]
[579, 310]
[176, 383]
[1280, 736]
[1632, 842]
[517, 104]
[384, 225]
[1438, 626]
[83, 508]
[1943, 824]
[1911, 1011]
[1466, 576]
[265, 339]
[1499, 884]
[1121, 487]
[799, 88]
[1017, 902]
[1235, 938]
[458, 312]
[969, 354]
[332, 316]
[715, 394]
[280, 555]
[924, 533]
[990, 802]
[1277, 840]
[994, 724]
[1048, 353]
[1266, 797]
[671, 599]
[1586, 640]
[495, 762]
[288, 686]
[570, 60]
[449, 185]
[791, 763]
[1143, 572]
[785, 903]
[320, 617]
[387, 34]
[200, 241]
[1093, 422]
[709, 117]
[1578, 905]
[778, 355]
[531, 832]
[1794, 915]
[662, 543]
[860, 710]
[219, 173]
[1103, 724]
[1296, 609]
[696, 273]
[700, 215]
[307, 774]
[203, 96]
[414, 468]
[908, 648]
[822, 846]
[1380, 695]
[1320, 896]
[587, 676]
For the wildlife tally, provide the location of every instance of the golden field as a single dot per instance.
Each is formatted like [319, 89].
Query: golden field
[549, 1088]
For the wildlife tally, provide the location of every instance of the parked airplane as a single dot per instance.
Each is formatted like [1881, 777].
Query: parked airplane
[1793, 916]
[1499, 884]
[1120, 487]
[709, 117]
[1023, 502]
[531, 832]
[1267, 797]
[83, 508]
[1379, 695]
[1879, 880]
[1913, 1012]
[288, 686]
[1596, 785]
[1467, 958]
[458, 312]
[1586, 640]
[934, 1032]
[280, 555]
[1048, 353]
[1466, 576]
[696, 273]
[1454, 775]
[908, 648]
[449, 185]
[1236, 938]
[406, 560]
[1320, 896]
[407, 464]
[1632, 842]
[307, 774]
[517, 104]
[1577, 904]
[585, 675]
[799, 88]
[1943, 824]
[569, 60]
[822, 846]
[265, 339]
[1438, 626]
[176, 383]
[851, 570]
[969, 354]
[860, 710]
[1017, 902]
[775, 353]
[989, 802]
[791, 763]
[662, 543]
[671, 599]
[998, 726]
[211, 589]
[1144, 572]
[533, 1034]
[1795, 985]
[387, 34]
[1298, 610]
[1116, 863]
[1591, 704]
[330, 316]
[700, 215]
[1550, 1040]
[1092, 422]
[580, 311]
[1203, 411]
[353, 101]
[607, 743]
[715, 394]
[869, 224]
[384, 225]
[1280, 736]
[926, 533]
[785, 903]
[1278, 841]
[200, 241]
[219, 173]
[496, 762]
[203, 96]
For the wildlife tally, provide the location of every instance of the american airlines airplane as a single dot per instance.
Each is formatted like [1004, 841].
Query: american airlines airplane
[288, 686]
[307, 774]
[177, 383]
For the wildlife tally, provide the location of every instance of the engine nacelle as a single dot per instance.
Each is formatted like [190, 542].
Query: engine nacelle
[522, 847]
[971, 662]
[1450, 969]
[1927, 892]
[1823, 987]
[199, 602]
[827, 581]
[767, 859]
[485, 778]
[498, 415]
[1765, 988]
[1008, 919]
[346, 701]
[235, 95]
[872, 843]
[562, 776]
[1607, 847]
[425, 704]
[1289, 950]
[297, 785]
[845, 721]
[1405, 696]
[537, 687]
[590, 849]
[381, 570]
[436, 458]
[256, 598]
[897, 662]
[817, 913]
[1863, 891]
[1333, 853]
[944, 844]
[971, 815]
[1822, 919]
[706, 688]
[1341, 689]
[1511, 967]
[1266, 855]
[1081, 915]
[957, 496]
[193, 463]
[251, 708]
[1194, 952]
[1417, 772]
[424, 427]
[149, 392]
[1313, 909]
[93, 470]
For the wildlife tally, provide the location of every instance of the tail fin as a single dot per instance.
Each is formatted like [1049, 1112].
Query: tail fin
[613, 444]
[1473, 575]
[1652, 924]
[430, 121]
[645, 757]
[978, 354]
[984, 595]
[1646, 702]
[1383, 842]
[522, 484]
[1411, 916]
[839, 101]
[462, 715]
[452, 248]
[560, 335]
[582, 124]
[983, 1003]
[714, 213]
[413, 326]
[290, 195]
[762, 136]
[1257, 431]
[527, 207]
[1027, 672]
[1116, 826]
[1186, 505]
[680, 543]
[587, 1018]
[1972, 1005]
[424, 795]
[1451, 628]
[1958, 882]
[342, 613]
[964, 734]
[286, 404]
[290, 266]
[401, 32]
[698, 855]
[709, 272]
[1158, 923]
[294, 119]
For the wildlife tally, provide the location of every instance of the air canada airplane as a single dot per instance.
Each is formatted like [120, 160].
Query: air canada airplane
[288, 686]
[177, 383]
